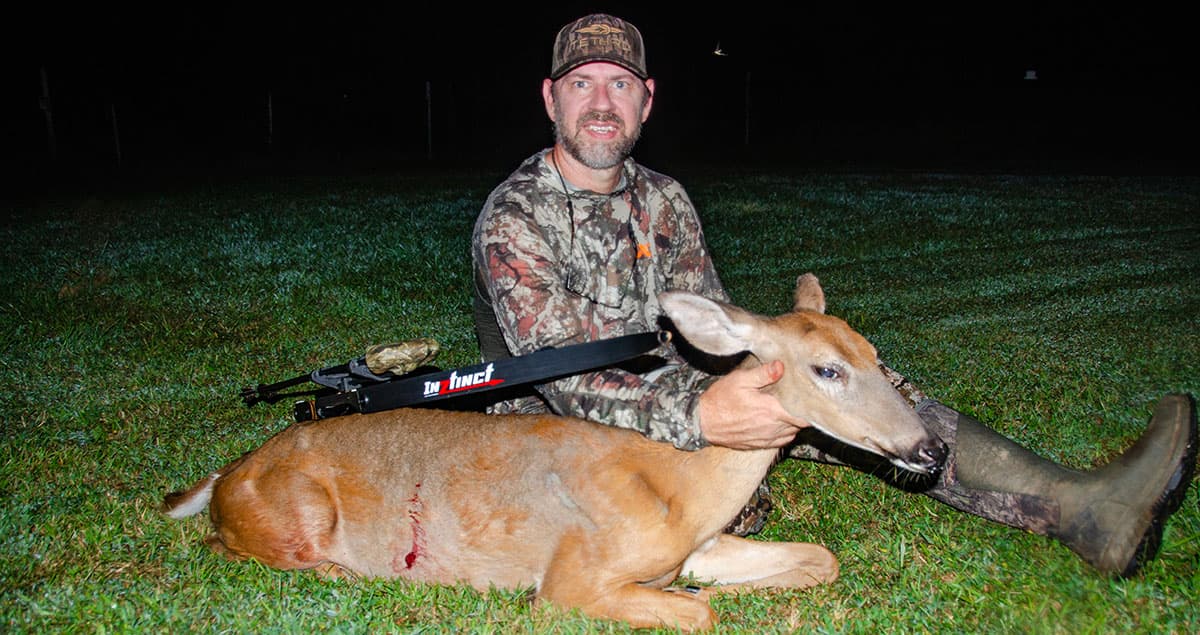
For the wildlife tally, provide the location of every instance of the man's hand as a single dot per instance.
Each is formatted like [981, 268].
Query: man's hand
[735, 413]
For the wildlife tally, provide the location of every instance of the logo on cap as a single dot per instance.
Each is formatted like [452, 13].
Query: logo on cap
[599, 29]
[598, 38]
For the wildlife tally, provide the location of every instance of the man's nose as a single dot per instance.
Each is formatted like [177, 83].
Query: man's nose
[600, 99]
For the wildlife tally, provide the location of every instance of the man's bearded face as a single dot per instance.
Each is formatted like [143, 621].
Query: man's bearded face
[577, 138]
[598, 110]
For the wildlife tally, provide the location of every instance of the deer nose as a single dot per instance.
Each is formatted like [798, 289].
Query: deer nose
[931, 454]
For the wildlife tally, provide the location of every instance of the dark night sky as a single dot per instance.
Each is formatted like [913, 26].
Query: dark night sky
[853, 83]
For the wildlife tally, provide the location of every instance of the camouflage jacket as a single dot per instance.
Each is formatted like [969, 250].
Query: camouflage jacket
[559, 270]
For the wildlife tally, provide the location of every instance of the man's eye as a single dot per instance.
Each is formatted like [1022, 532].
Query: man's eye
[621, 84]
[579, 83]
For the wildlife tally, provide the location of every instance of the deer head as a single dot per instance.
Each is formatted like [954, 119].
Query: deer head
[832, 378]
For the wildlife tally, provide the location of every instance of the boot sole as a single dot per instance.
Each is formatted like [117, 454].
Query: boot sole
[1170, 500]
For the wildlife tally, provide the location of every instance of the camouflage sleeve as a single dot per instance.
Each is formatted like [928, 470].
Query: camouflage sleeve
[662, 406]
[534, 307]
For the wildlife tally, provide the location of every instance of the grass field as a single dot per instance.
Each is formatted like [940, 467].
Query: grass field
[1056, 308]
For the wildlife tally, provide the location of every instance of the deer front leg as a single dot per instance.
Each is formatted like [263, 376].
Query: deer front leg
[603, 584]
[737, 563]
[644, 607]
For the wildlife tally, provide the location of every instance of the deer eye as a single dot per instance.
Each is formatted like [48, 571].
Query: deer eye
[827, 372]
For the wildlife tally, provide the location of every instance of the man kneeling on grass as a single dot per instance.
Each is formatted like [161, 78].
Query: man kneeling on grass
[578, 242]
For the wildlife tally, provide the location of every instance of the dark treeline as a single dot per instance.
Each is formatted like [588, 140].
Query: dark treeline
[191, 90]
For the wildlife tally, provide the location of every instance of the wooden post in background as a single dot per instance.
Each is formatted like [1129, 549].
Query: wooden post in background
[270, 120]
[112, 112]
[428, 120]
[51, 142]
[747, 141]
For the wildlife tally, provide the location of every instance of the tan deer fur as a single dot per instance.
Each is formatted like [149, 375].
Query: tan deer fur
[590, 516]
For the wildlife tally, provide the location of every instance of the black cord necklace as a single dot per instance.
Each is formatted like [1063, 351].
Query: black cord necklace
[571, 219]
[567, 193]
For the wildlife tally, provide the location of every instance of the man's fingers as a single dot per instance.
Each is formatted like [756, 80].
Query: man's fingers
[774, 371]
[765, 375]
[735, 412]
[758, 377]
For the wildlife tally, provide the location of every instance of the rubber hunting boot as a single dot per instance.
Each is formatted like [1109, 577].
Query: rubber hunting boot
[1111, 516]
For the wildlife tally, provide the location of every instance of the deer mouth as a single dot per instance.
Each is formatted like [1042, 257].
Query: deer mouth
[919, 468]
[927, 457]
[910, 464]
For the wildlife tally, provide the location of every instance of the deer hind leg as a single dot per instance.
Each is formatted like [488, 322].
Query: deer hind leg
[582, 575]
[738, 563]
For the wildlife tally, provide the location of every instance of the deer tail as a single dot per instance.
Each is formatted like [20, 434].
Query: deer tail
[193, 501]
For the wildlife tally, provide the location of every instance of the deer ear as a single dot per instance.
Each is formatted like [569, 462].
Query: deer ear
[713, 327]
[809, 296]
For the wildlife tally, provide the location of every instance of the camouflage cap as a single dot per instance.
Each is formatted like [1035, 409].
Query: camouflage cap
[598, 38]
